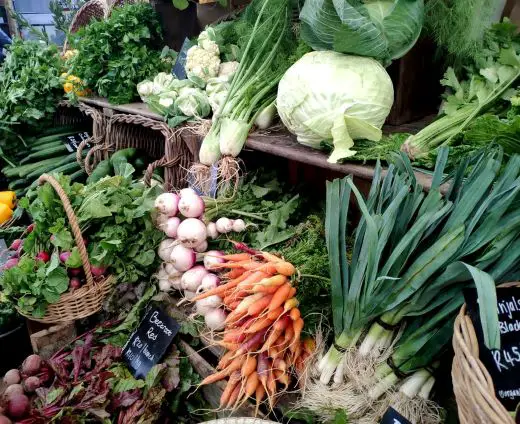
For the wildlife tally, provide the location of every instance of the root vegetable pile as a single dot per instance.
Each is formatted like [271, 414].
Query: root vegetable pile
[262, 330]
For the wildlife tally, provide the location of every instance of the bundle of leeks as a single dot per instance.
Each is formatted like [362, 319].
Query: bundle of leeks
[413, 254]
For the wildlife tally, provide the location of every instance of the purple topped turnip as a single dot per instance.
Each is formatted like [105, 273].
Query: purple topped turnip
[167, 204]
[191, 206]
[191, 232]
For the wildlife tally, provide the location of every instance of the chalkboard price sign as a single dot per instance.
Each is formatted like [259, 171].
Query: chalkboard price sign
[148, 344]
[72, 141]
[502, 364]
[393, 417]
[178, 69]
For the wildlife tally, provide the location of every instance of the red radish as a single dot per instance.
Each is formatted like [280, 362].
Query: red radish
[12, 390]
[182, 258]
[211, 231]
[171, 226]
[188, 191]
[10, 263]
[30, 384]
[5, 420]
[191, 206]
[192, 278]
[74, 283]
[12, 377]
[31, 365]
[64, 256]
[224, 225]
[213, 257]
[17, 406]
[43, 256]
[16, 244]
[202, 247]
[215, 319]
[75, 271]
[167, 203]
[30, 228]
[85, 241]
[98, 271]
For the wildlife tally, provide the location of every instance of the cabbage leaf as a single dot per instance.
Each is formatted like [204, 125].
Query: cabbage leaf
[384, 30]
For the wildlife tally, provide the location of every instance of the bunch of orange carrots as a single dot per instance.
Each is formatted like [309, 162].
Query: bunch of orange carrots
[263, 329]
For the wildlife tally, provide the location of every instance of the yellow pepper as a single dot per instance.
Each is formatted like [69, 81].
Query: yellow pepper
[5, 213]
[8, 198]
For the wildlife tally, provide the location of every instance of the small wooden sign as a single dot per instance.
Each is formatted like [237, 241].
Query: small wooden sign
[148, 344]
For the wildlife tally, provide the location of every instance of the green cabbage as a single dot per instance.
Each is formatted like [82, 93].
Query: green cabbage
[334, 98]
[382, 29]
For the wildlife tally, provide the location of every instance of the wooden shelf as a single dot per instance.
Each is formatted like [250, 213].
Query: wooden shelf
[283, 144]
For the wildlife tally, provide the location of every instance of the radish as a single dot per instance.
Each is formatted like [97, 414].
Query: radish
[74, 272]
[211, 231]
[202, 247]
[191, 232]
[31, 365]
[167, 203]
[12, 377]
[30, 384]
[171, 226]
[224, 225]
[17, 406]
[30, 229]
[43, 256]
[16, 244]
[213, 257]
[188, 191]
[98, 271]
[74, 283]
[165, 249]
[215, 319]
[182, 258]
[239, 225]
[10, 263]
[191, 206]
[192, 278]
[64, 256]
[210, 281]
[171, 271]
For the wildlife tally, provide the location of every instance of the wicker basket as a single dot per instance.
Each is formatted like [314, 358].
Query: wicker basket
[472, 384]
[240, 420]
[173, 150]
[93, 9]
[86, 300]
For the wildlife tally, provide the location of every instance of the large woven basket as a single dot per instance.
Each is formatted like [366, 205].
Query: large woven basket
[93, 9]
[88, 299]
[173, 150]
[472, 384]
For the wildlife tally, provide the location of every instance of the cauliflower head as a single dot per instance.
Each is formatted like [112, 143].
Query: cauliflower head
[202, 63]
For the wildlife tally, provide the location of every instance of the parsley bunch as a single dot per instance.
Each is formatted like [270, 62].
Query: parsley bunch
[117, 53]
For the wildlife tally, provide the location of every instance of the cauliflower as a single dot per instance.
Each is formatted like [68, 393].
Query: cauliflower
[206, 41]
[165, 101]
[202, 63]
[227, 69]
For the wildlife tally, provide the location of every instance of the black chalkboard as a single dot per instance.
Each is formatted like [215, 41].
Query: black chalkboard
[178, 69]
[391, 416]
[72, 141]
[147, 345]
[502, 364]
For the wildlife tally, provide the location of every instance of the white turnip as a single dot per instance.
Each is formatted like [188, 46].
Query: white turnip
[188, 295]
[192, 278]
[182, 258]
[171, 270]
[167, 203]
[191, 206]
[202, 247]
[176, 283]
[239, 225]
[171, 226]
[187, 192]
[12, 377]
[210, 281]
[17, 406]
[165, 249]
[211, 231]
[213, 257]
[224, 225]
[191, 232]
[201, 308]
[215, 319]
[30, 384]
[211, 302]
[31, 365]
[164, 285]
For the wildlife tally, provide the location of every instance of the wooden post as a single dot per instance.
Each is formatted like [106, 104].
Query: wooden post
[13, 27]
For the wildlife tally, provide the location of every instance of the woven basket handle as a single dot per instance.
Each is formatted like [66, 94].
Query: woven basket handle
[78, 237]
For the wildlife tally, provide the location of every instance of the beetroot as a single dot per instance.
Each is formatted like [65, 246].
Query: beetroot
[13, 390]
[30, 384]
[17, 406]
[43, 256]
[75, 271]
[74, 283]
[64, 256]
[31, 365]
[12, 377]
[5, 420]
[10, 263]
[16, 244]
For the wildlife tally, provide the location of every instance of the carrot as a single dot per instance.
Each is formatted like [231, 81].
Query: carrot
[290, 304]
[225, 360]
[274, 314]
[309, 345]
[279, 297]
[257, 307]
[274, 351]
[271, 388]
[288, 336]
[234, 296]
[248, 301]
[292, 292]
[234, 273]
[235, 365]
[269, 257]
[248, 264]
[264, 289]
[275, 280]
[252, 343]
[262, 368]
[235, 396]
[297, 330]
[252, 383]
[294, 314]
[222, 288]
[258, 325]
[282, 323]
[279, 364]
[259, 397]
[249, 365]
[282, 377]
[233, 305]
[296, 351]
[273, 336]
[237, 257]
[284, 268]
[234, 379]
[234, 336]
[227, 345]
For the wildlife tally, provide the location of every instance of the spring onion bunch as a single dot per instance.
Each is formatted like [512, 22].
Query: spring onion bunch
[267, 50]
